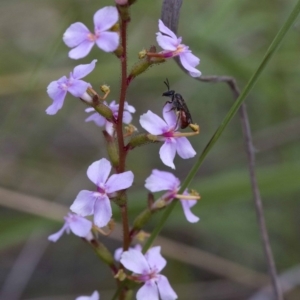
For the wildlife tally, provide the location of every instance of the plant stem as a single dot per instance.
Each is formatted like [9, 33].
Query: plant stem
[119, 127]
[125, 226]
[258, 202]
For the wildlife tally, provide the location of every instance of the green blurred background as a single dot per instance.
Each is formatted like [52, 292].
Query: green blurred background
[44, 158]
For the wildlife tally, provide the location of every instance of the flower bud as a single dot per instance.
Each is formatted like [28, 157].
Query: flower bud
[103, 252]
[121, 198]
[142, 219]
[141, 139]
[142, 54]
[112, 149]
[103, 110]
[105, 89]
[123, 9]
[138, 69]
[119, 52]
[121, 2]
[121, 275]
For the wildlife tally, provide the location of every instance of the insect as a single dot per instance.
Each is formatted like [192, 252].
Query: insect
[178, 104]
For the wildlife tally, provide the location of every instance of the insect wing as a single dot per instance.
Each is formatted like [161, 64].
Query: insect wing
[183, 111]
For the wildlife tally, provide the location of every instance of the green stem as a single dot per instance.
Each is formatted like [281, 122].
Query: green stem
[269, 54]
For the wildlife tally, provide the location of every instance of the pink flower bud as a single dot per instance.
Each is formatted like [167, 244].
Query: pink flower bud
[121, 2]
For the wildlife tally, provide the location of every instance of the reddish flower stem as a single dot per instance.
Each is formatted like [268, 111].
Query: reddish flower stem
[119, 129]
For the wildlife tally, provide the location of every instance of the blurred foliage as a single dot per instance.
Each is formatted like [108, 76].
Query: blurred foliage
[47, 156]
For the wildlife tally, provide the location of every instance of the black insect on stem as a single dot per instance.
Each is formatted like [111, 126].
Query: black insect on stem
[178, 104]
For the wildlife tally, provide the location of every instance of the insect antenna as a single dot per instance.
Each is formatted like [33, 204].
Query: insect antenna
[166, 82]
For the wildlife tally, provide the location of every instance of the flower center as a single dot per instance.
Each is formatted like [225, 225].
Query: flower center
[148, 276]
[168, 132]
[92, 37]
[180, 49]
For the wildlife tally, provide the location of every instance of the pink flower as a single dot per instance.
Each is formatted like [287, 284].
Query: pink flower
[172, 46]
[78, 36]
[94, 296]
[101, 121]
[98, 203]
[167, 130]
[57, 90]
[77, 224]
[147, 269]
[166, 181]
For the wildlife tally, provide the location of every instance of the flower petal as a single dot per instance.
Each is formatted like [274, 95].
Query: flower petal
[152, 123]
[117, 182]
[94, 296]
[57, 94]
[184, 148]
[127, 117]
[129, 108]
[165, 290]
[55, 236]
[109, 128]
[105, 18]
[76, 34]
[118, 253]
[83, 70]
[161, 181]
[186, 206]
[97, 119]
[103, 211]
[164, 29]
[169, 115]
[134, 261]
[78, 88]
[167, 153]
[98, 171]
[80, 226]
[82, 50]
[155, 259]
[108, 41]
[148, 291]
[83, 205]
[189, 61]
[166, 43]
